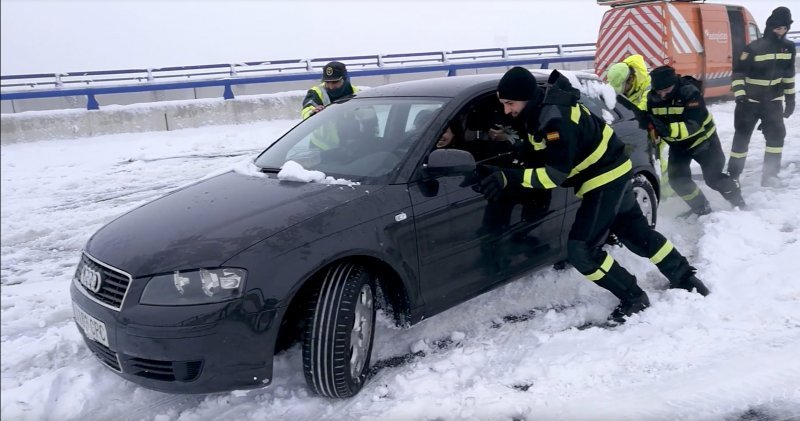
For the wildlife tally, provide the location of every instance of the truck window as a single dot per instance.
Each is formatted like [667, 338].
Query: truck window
[753, 32]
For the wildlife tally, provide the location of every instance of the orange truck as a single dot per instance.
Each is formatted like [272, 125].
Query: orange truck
[695, 38]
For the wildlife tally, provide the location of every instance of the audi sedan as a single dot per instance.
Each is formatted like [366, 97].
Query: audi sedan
[196, 291]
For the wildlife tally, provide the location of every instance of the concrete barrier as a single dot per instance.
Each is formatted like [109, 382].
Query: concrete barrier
[249, 105]
[174, 115]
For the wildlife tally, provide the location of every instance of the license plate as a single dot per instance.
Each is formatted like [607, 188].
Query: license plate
[93, 329]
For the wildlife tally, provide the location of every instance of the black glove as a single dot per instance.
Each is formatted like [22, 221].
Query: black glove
[789, 108]
[741, 99]
[661, 128]
[493, 184]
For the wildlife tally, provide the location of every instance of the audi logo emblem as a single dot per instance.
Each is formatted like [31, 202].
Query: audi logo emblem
[90, 278]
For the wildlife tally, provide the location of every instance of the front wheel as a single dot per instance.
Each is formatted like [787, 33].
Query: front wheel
[338, 341]
[646, 198]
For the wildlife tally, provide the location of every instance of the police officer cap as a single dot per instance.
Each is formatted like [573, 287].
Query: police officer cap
[334, 71]
[518, 84]
[663, 77]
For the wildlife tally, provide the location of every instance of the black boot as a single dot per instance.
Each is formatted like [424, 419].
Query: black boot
[634, 302]
[700, 210]
[690, 283]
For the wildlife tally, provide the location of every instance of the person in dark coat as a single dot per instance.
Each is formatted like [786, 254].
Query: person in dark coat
[581, 151]
[680, 117]
[762, 81]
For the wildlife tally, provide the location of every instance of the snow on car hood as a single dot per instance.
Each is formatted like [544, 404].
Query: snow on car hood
[206, 223]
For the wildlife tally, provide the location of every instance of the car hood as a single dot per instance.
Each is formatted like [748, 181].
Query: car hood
[206, 223]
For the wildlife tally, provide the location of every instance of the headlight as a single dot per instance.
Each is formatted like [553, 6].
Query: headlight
[194, 287]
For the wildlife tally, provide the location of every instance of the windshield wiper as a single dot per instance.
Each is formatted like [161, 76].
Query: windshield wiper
[269, 170]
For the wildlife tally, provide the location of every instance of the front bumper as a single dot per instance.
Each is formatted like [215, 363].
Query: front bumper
[186, 349]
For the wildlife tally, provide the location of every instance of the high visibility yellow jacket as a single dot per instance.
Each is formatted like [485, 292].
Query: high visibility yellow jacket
[318, 95]
[641, 81]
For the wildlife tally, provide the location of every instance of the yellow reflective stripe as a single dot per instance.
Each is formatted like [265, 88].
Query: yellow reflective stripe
[667, 110]
[605, 178]
[691, 195]
[306, 113]
[773, 149]
[537, 145]
[788, 79]
[527, 175]
[596, 154]
[662, 252]
[704, 137]
[738, 93]
[544, 179]
[778, 56]
[789, 91]
[738, 154]
[678, 130]
[575, 114]
[763, 82]
[601, 272]
[320, 143]
[737, 82]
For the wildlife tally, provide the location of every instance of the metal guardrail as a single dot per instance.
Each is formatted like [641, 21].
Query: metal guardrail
[92, 83]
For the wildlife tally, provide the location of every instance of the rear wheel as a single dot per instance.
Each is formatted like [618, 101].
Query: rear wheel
[338, 340]
[646, 198]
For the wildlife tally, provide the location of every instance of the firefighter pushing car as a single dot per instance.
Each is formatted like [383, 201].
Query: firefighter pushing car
[678, 112]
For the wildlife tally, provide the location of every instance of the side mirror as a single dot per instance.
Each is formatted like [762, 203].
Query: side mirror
[450, 162]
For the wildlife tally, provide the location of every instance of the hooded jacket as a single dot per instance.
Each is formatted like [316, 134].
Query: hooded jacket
[641, 81]
[764, 71]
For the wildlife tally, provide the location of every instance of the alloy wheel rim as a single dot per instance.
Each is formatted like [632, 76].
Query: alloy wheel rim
[362, 331]
[643, 199]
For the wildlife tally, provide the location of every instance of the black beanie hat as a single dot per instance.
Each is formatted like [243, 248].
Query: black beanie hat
[781, 16]
[663, 77]
[518, 84]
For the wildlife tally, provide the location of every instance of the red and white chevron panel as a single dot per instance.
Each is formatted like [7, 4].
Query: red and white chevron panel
[631, 30]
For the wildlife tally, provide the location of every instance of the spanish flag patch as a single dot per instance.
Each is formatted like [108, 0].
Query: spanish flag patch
[552, 136]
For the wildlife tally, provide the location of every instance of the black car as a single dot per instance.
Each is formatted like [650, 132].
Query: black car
[196, 291]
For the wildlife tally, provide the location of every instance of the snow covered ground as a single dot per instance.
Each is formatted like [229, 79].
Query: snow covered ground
[514, 353]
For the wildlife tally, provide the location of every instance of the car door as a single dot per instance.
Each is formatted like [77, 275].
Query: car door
[467, 244]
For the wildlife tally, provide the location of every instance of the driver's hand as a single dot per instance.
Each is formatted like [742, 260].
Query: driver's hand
[498, 135]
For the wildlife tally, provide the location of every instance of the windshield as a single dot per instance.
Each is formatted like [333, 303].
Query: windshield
[358, 139]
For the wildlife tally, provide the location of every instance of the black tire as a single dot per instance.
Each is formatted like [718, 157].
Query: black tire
[338, 340]
[646, 197]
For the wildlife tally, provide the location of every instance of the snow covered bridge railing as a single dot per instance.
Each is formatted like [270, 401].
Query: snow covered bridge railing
[89, 84]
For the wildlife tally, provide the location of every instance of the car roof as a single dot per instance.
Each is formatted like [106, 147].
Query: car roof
[452, 86]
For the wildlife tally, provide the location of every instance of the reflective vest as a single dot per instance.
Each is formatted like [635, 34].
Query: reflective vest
[325, 137]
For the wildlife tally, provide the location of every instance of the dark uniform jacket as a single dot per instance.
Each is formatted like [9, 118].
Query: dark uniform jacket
[580, 149]
[682, 120]
[764, 71]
